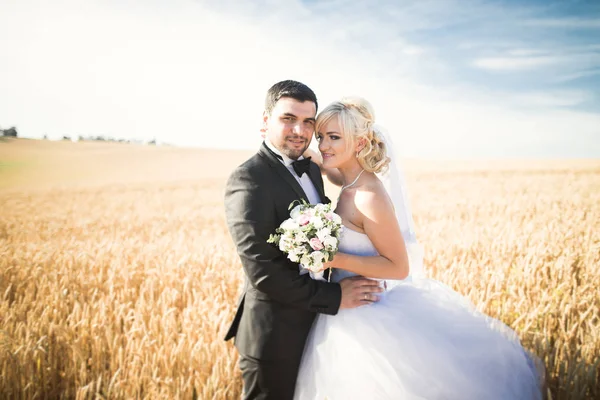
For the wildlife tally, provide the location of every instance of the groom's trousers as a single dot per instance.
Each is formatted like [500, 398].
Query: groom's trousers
[268, 380]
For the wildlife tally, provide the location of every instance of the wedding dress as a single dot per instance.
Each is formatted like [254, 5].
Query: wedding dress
[422, 340]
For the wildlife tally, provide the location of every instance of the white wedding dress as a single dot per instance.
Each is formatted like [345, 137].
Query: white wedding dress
[422, 340]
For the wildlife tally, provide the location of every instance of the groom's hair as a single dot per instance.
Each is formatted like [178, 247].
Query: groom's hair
[295, 90]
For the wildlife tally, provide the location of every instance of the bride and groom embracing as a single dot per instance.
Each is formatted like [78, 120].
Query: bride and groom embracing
[358, 336]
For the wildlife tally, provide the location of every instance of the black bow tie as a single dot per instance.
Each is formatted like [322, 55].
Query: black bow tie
[301, 166]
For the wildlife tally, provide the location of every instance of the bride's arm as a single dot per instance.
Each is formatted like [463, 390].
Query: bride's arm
[380, 224]
[332, 174]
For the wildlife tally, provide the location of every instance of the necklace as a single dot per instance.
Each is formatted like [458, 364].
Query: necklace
[353, 182]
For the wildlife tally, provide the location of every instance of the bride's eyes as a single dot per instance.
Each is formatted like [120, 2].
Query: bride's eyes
[332, 137]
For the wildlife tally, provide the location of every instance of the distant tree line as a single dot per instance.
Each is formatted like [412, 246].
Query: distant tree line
[80, 138]
[10, 132]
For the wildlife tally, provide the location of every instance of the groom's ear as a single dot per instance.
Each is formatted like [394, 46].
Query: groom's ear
[265, 119]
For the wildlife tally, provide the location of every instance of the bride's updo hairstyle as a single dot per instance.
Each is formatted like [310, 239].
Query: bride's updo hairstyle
[356, 119]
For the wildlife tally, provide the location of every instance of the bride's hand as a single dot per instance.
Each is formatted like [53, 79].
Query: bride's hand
[316, 157]
[333, 174]
[326, 265]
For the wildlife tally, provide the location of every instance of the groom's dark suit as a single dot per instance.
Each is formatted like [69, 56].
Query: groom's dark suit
[278, 305]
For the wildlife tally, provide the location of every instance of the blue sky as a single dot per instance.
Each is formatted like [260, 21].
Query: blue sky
[448, 78]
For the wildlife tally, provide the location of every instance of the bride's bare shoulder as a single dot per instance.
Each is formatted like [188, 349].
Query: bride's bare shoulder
[372, 199]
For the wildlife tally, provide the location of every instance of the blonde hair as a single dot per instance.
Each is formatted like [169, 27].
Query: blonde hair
[356, 118]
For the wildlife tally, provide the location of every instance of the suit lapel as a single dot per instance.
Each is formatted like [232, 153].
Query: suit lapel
[282, 171]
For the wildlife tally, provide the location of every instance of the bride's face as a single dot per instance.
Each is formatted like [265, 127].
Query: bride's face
[334, 146]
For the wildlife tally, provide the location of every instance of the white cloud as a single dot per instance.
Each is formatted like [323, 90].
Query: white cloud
[413, 50]
[573, 23]
[549, 99]
[566, 59]
[526, 52]
[514, 63]
[578, 75]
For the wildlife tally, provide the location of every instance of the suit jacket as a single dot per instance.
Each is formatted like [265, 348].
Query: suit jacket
[278, 305]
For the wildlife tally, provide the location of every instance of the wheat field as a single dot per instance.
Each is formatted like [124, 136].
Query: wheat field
[118, 277]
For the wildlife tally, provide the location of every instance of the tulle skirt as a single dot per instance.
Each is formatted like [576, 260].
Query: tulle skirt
[422, 340]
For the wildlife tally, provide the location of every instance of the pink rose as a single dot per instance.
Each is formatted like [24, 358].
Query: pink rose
[329, 216]
[303, 220]
[316, 244]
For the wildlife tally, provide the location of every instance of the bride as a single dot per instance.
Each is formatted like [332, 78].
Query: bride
[421, 340]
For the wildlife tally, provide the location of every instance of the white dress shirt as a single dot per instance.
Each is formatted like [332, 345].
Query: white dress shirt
[304, 181]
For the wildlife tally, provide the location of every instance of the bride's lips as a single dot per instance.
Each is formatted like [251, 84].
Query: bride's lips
[326, 156]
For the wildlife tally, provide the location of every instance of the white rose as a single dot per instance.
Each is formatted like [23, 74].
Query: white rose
[283, 243]
[317, 266]
[318, 256]
[293, 256]
[337, 219]
[317, 222]
[323, 233]
[330, 242]
[306, 261]
[320, 207]
[295, 211]
[300, 238]
[317, 260]
[289, 225]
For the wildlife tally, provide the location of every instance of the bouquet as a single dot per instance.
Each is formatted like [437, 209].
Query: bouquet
[310, 236]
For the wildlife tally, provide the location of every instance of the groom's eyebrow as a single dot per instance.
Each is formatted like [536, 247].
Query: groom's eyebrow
[311, 119]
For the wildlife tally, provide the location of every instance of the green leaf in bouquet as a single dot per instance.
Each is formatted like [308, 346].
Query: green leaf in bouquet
[273, 239]
[301, 202]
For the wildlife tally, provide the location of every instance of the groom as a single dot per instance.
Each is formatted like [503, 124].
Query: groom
[278, 305]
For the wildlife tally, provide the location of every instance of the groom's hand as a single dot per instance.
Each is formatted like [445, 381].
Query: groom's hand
[358, 291]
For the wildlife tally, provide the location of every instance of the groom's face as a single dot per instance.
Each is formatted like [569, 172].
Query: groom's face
[291, 125]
